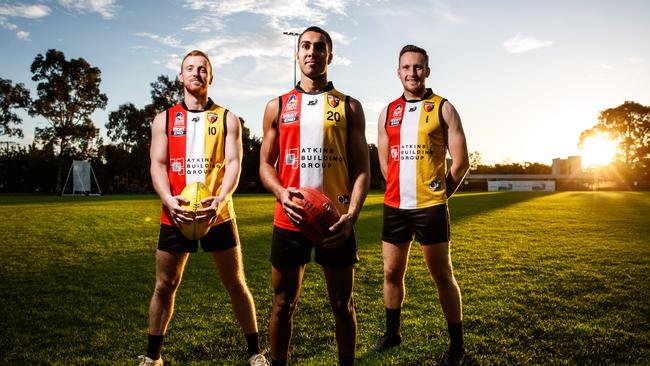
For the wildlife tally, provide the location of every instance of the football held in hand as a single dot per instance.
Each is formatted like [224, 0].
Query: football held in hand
[195, 229]
[319, 214]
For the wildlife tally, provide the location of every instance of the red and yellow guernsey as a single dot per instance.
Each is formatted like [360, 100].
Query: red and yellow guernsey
[417, 151]
[313, 146]
[196, 152]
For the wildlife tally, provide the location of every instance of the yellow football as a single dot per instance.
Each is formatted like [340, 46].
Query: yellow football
[195, 229]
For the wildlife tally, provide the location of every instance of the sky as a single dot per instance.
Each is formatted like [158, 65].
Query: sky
[525, 76]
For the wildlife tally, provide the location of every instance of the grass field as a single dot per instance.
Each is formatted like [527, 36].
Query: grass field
[547, 279]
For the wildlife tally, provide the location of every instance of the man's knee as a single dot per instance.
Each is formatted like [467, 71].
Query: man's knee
[394, 275]
[444, 277]
[234, 284]
[166, 287]
[284, 306]
[342, 308]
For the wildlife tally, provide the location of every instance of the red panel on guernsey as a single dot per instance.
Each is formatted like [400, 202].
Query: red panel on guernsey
[176, 140]
[395, 114]
[289, 148]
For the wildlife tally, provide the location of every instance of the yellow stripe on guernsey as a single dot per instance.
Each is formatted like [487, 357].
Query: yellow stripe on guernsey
[205, 153]
[323, 143]
[422, 170]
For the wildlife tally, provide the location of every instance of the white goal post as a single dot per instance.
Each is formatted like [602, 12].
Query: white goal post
[81, 170]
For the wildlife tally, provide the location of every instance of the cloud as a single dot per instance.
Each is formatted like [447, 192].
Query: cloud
[340, 60]
[106, 8]
[374, 105]
[634, 60]
[170, 41]
[22, 35]
[519, 44]
[604, 66]
[24, 11]
[442, 11]
[262, 58]
[21, 11]
[7, 25]
[281, 14]
[339, 38]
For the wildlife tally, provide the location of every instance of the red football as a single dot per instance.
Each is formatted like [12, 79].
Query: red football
[319, 214]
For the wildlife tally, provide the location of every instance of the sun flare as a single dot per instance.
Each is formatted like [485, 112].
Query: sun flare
[598, 150]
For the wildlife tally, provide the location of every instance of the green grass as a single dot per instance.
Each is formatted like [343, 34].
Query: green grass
[546, 278]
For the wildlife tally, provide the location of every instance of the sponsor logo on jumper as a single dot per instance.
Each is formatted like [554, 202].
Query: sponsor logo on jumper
[177, 165]
[200, 166]
[318, 157]
[195, 119]
[312, 102]
[428, 106]
[343, 200]
[413, 109]
[394, 152]
[411, 151]
[395, 122]
[292, 103]
[289, 117]
[178, 129]
[333, 100]
[212, 117]
[291, 158]
[397, 112]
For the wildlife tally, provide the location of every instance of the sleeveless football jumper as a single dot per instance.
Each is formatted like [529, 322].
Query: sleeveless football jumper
[196, 152]
[313, 146]
[417, 151]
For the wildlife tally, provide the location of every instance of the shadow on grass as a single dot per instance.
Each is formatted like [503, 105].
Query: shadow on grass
[465, 205]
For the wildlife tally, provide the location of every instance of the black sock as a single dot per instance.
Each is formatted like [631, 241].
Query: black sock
[455, 338]
[392, 320]
[278, 362]
[346, 360]
[253, 342]
[154, 346]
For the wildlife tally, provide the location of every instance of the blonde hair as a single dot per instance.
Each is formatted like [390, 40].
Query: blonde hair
[198, 53]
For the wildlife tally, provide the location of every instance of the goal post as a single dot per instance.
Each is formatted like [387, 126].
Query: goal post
[81, 171]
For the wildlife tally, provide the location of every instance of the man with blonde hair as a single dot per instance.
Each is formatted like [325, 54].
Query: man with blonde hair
[197, 141]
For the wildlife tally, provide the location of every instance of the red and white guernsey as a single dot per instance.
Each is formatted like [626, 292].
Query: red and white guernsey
[196, 152]
[313, 142]
[417, 151]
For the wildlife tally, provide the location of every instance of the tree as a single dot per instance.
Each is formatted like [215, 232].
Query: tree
[129, 127]
[249, 180]
[12, 97]
[629, 125]
[474, 160]
[165, 93]
[68, 93]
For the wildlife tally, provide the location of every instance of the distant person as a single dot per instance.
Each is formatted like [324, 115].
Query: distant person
[197, 140]
[415, 133]
[314, 136]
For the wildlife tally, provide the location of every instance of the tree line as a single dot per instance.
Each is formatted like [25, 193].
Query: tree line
[68, 93]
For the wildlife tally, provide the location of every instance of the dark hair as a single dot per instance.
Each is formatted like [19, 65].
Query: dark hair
[197, 53]
[320, 30]
[412, 48]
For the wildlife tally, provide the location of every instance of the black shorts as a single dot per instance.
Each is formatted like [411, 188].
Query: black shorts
[291, 248]
[220, 237]
[430, 224]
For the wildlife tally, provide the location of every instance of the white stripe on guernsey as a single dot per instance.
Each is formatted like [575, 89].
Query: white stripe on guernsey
[194, 148]
[407, 167]
[311, 141]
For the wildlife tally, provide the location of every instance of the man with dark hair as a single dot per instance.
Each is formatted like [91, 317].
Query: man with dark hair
[414, 134]
[315, 137]
[197, 141]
